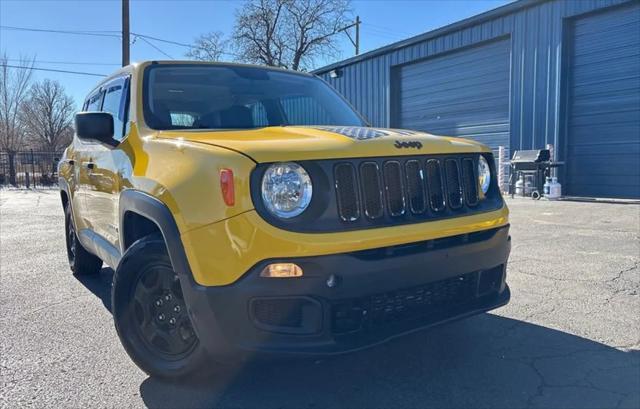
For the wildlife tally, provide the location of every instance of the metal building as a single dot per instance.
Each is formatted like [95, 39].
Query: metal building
[531, 73]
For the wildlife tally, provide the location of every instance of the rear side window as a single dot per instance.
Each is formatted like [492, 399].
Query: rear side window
[95, 102]
[114, 104]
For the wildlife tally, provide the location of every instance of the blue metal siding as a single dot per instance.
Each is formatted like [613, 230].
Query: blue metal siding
[603, 141]
[536, 29]
[464, 93]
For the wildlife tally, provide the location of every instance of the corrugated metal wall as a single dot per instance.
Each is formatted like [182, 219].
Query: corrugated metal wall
[436, 96]
[603, 118]
[536, 33]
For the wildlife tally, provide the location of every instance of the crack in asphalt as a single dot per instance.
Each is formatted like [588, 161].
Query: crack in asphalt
[622, 272]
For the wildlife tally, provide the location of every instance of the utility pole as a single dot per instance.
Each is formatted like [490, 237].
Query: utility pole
[125, 32]
[357, 35]
[356, 42]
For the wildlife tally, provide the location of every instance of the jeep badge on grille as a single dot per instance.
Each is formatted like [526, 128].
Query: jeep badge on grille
[408, 144]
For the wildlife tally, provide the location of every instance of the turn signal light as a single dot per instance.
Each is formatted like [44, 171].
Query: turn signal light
[226, 184]
[281, 270]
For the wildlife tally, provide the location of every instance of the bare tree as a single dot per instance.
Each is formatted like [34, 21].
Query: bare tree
[260, 32]
[311, 26]
[14, 88]
[47, 115]
[280, 33]
[208, 47]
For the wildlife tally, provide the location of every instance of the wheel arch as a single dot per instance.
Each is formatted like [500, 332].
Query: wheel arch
[65, 195]
[136, 206]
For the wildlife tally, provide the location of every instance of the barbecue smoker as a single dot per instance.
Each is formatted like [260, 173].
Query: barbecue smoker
[529, 170]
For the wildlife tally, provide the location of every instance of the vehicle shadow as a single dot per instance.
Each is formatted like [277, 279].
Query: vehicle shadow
[99, 285]
[484, 361]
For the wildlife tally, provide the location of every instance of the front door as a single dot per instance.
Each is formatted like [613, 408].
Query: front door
[83, 164]
[105, 177]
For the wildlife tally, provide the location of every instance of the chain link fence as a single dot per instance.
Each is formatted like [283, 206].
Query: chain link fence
[29, 169]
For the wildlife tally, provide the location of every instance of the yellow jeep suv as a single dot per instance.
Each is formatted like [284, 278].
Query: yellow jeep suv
[248, 209]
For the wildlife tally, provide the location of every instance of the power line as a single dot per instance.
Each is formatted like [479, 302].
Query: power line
[53, 70]
[383, 36]
[190, 46]
[65, 62]
[154, 46]
[382, 33]
[104, 33]
[388, 30]
[42, 30]
[163, 40]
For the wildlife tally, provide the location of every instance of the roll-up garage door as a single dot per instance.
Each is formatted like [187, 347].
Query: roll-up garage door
[464, 93]
[603, 155]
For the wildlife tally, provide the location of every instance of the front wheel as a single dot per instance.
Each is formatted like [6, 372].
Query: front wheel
[150, 313]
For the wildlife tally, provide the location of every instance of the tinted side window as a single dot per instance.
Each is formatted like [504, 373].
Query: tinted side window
[95, 102]
[112, 104]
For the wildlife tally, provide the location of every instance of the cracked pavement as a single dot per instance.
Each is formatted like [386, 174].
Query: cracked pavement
[570, 337]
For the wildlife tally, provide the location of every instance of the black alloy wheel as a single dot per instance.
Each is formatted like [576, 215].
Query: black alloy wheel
[161, 314]
[151, 315]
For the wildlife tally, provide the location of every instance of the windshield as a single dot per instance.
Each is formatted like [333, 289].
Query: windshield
[237, 97]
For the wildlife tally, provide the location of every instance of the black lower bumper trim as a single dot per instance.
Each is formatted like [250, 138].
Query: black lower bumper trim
[373, 296]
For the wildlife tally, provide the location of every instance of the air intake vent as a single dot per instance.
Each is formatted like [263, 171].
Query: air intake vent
[454, 184]
[278, 312]
[394, 188]
[436, 191]
[347, 192]
[415, 187]
[371, 190]
[470, 181]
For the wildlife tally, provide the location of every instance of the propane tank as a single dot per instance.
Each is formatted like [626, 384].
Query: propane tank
[528, 185]
[546, 186]
[520, 187]
[555, 189]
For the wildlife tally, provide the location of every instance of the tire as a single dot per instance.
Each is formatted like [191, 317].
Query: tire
[81, 261]
[150, 314]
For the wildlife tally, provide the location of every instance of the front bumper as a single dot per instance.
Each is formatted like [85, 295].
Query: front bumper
[349, 301]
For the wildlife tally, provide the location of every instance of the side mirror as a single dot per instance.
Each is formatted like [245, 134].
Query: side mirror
[95, 126]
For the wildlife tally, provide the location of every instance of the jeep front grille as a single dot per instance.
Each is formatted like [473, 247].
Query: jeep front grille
[396, 187]
[372, 192]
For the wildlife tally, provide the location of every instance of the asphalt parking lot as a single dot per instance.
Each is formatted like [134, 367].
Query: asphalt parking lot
[569, 338]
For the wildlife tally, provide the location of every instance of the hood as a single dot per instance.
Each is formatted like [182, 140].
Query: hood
[277, 143]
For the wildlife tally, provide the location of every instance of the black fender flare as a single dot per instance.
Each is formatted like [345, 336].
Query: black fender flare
[64, 187]
[143, 204]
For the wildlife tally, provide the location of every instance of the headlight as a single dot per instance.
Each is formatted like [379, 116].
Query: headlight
[286, 189]
[484, 174]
